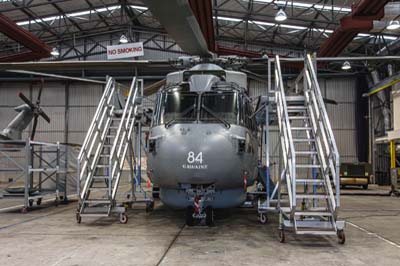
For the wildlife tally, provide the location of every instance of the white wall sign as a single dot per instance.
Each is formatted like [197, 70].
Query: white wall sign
[125, 50]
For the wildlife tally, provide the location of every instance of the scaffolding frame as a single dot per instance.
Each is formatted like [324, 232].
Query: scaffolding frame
[35, 171]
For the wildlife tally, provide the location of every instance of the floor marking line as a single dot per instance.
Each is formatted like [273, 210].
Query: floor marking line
[170, 245]
[374, 234]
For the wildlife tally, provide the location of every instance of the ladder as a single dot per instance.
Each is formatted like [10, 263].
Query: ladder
[310, 167]
[104, 150]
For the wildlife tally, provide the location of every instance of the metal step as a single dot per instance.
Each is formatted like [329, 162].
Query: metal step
[316, 232]
[301, 128]
[300, 107]
[311, 196]
[298, 117]
[306, 152]
[100, 214]
[102, 165]
[303, 140]
[308, 166]
[101, 177]
[312, 213]
[97, 201]
[310, 181]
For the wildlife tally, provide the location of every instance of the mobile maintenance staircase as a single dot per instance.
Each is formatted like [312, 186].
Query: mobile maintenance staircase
[308, 191]
[110, 138]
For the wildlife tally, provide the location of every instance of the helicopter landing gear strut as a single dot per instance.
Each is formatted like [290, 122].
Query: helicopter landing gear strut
[199, 211]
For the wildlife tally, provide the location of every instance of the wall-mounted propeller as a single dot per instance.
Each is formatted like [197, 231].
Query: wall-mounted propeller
[37, 111]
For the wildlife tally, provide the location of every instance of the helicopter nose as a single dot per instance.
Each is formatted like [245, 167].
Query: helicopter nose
[197, 155]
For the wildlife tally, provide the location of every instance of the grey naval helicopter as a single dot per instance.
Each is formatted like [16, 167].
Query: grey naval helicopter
[203, 141]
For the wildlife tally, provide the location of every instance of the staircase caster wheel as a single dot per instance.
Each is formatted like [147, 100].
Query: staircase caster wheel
[150, 206]
[263, 218]
[282, 235]
[209, 216]
[78, 218]
[341, 237]
[39, 201]
[31, 202]
[123, 218]
[189, 216]
[24, 210]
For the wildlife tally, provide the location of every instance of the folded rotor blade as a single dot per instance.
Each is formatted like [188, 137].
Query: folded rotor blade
[40, 91]
[44, 115]
[177, 18]
[35, 121]
[26, 100]
[153, 88]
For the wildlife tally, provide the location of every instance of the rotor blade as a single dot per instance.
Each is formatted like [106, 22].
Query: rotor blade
[330, 101]
[44, 115]
[79, 65]
[153, 88]
[40, 91]
[26, 100]
[177, 18]
[35, 121]
[55, 76]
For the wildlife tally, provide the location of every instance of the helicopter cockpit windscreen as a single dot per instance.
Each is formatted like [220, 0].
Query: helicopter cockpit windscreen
[219, 106]
[178, 106]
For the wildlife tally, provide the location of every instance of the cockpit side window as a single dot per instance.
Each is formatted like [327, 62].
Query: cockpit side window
[178, 106]
[219, 105]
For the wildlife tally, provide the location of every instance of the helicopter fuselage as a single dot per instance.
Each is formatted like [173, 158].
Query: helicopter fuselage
[203, 139]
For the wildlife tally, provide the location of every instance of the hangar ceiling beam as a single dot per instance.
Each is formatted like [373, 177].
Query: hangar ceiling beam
[38, 48]
[359, 20]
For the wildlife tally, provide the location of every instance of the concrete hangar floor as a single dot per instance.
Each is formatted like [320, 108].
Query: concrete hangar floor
[50, 236]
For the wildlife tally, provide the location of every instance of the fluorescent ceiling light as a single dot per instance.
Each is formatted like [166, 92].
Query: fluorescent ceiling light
[393, 25]
[123, 39]
[305, 5]
[295, 27]
[55, 52]
[346, 65]
[280, 15]
[78, 14]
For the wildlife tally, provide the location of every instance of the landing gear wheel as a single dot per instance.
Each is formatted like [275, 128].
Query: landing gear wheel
[39, 201]
[31, 202]
[341, 237]
[189, 216]
[123, 218]
[150, 206]
[78, 218]
[209, 216]
[282, 235]
[263, 218]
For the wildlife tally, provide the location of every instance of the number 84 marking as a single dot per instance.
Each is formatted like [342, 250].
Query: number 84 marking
[193, 158]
